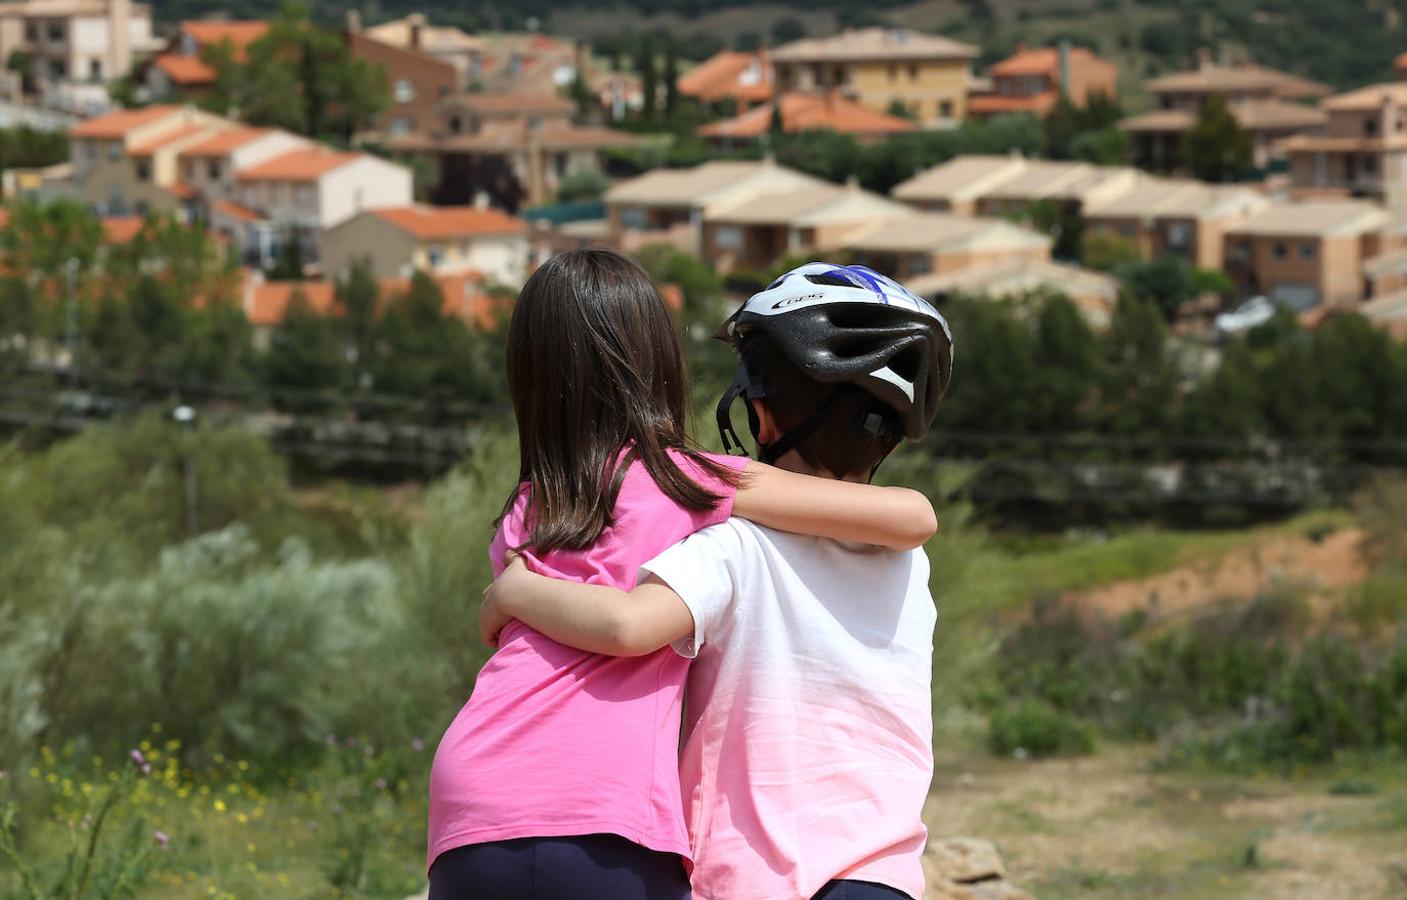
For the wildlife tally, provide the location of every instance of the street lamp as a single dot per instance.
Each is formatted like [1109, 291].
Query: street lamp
[185, 417]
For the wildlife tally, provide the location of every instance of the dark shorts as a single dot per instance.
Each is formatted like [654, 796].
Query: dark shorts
[859, 890]
[586, 867]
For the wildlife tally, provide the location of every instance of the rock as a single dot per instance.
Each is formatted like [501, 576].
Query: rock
[963, 860]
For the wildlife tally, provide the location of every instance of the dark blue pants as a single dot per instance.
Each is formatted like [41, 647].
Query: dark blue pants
[587, 867]
[859, 890]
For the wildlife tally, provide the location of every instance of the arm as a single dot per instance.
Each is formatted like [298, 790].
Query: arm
[590, 617]
[894, 517]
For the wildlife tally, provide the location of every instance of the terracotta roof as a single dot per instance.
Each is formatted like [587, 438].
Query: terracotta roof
[153, 144]
[1369, 98]
[186, 71]
[1314, 219]
[1238, 79]
[269, 301]
[240, 34]
[874, 44]
[235, 211]
[298, 165]
[432, 222]
[118, 124]
[182, 190]
[741, 76]
[996, 104]
[121, 229]
[809, 112]
[1043, 61]
[221, 144]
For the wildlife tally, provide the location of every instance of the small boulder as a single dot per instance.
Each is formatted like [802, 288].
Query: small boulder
[963, 860]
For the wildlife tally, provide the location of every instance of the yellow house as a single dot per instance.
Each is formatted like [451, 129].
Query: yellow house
[928, 74]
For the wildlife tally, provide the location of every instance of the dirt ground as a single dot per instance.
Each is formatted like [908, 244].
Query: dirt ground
[1111, 825]
[1324, 567]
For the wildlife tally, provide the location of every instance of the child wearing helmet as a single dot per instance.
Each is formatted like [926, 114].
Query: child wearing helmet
[806, 751]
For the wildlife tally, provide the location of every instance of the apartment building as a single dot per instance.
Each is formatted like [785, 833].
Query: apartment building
[396, 241]
[418, 80]
[1032, 80]
[1018, 278]
[672, 204]
[739, 81]
[77, 40]
[759, 231]
[181, 72]
[1307, 254]
[921, 244]
[800, 112]
[1363, 151]
[1012, 185]
[513, 147]
[879, 67]
[1270, 105]
[1183, 218]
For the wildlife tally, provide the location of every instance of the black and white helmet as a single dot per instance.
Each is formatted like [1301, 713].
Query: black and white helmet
[850, 324]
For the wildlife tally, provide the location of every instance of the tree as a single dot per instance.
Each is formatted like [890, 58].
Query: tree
[1138, 386]
[1108, 251]
[1170, 281]
[300, 77]
[1227, 404]
[357, 296]
[306, 352]
[1062, 125]
[649, 80]
[671, 80]
[1067, 360]
[899, 109]
[1216, 148]
[1104, 147]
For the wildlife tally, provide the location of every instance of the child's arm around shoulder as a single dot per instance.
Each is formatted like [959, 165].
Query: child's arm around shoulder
[894, 517]
[590, 617]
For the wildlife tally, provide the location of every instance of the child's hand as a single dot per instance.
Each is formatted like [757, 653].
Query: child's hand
[492, 616]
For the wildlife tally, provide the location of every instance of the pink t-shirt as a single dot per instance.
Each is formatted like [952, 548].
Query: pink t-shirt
[555, 741]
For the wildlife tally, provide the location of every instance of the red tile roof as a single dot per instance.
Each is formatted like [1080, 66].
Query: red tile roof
[810, 112]
[185, 71]
[222, 143]
[121, 229]
[182, 190]
[1039, 61]
[298, 165]
[269, 301]
[239, 34]
[995, 104]
[118, 124]
[235, 211]
[719, 77]
[431, 222]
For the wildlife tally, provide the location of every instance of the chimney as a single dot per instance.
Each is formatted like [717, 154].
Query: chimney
[417, 29]
[119, 32]
[354, 21]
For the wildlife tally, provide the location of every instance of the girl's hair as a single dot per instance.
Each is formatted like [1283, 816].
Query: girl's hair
[595, 368]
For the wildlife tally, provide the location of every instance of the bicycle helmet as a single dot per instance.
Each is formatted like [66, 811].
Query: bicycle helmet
[844, 324]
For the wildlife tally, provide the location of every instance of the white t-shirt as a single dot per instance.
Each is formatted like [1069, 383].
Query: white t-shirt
[808, 717]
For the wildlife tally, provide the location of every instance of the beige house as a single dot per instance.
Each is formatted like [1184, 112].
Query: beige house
[672, 204]
[1183, 218]
[880, 67]
[1093, 293]
[1267, 103]
[921, 244]
[126, 162]
[1306, 254]
[1363, 151]
[395, 242]
[1010, 185]
[77, 40]
[760, 231]
[956, 185]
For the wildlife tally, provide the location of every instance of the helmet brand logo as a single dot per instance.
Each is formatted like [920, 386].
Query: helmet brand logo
[790, 301]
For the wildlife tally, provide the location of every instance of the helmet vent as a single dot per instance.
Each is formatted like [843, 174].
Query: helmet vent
[906, 364]
[830, 278]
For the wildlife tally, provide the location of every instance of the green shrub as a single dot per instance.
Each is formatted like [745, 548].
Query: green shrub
[1032, 728]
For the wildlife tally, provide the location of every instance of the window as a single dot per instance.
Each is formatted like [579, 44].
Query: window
[303, 195]
[1239, 251]
[144, 170]
[1370, 164]
[728, 237]
[31, 32]
[436, 254]
[1370, 126]
[405, 90]
[633, 217]
[90, 151]
[1126, 229]
[213, 169]
[401, 125]
[57, 32]
[95, 70]
[1179, 236]
[188, 46]
[920, 264]
[1278, 250]
[1306, 251]
[58, 69]
[913, 71]
[114, 151]
[945, 109]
